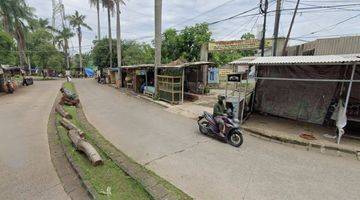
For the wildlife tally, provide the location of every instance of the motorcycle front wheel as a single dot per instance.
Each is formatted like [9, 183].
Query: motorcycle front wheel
[235, 138]
[203, 127]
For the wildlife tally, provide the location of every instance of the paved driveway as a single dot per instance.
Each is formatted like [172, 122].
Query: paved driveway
[26, 171]
[206, 169]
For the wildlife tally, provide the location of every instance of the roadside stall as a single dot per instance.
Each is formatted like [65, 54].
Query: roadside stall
[112, 75]
[139, 78]
[179, 81]
[315, 89]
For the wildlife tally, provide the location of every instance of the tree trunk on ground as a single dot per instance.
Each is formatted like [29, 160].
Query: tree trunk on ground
[118, 40]
[81, 145]
[110, 38]
[70, 126]
[59, 109]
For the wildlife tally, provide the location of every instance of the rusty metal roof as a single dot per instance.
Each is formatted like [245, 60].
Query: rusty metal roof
[304, 60]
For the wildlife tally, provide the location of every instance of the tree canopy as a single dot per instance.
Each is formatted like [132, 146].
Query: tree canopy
[132, 53]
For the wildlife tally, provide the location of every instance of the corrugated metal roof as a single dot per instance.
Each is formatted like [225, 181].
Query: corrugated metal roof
[304, 60]
[243, 61]
[137, 66]
[190, 64]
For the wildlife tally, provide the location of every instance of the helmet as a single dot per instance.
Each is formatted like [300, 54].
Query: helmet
[221, 97]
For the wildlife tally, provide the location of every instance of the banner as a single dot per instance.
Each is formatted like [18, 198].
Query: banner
[213, 75]
[251, 44]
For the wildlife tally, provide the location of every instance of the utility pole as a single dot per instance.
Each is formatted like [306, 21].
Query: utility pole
[264, 11]
[291, 26]
[118, 40]
[276, 27]
[158, 21]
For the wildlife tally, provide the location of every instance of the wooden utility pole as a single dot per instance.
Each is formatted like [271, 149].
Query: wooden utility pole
[276, 27]
[158, 21]
[264, 11]
[291, 26]
[118, 40]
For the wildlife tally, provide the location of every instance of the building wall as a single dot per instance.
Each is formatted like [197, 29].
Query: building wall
[328, 46]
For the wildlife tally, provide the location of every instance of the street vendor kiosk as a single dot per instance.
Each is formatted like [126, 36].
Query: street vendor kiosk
[237, 97]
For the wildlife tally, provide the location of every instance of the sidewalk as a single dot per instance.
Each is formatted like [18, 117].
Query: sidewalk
[288, 131]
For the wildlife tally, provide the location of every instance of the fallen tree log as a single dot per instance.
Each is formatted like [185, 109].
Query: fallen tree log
[59, 109]
[70, 126]
[82, 145]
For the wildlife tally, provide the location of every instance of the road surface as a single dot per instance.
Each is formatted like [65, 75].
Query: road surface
[26, 171]
[172, 147]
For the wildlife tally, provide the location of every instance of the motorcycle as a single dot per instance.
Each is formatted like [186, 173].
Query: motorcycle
[10, 87]
[209, 127]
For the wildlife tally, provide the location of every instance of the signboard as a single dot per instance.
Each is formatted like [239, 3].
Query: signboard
[213, 75]
[234, 78]
[223, 72]
[251, 44]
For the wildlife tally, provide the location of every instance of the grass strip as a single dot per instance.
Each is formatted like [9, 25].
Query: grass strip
[108, 175]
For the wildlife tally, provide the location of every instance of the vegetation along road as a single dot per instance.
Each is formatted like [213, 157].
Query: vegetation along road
[172, 147]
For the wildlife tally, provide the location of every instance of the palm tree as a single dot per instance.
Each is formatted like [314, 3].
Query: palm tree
[62, 40]
[15, 15]
[109, 5]
[97, 4]
[77, 21]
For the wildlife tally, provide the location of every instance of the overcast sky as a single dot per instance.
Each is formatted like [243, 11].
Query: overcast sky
[138, 18]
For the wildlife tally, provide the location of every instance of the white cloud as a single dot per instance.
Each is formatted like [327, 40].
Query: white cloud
[138, 18]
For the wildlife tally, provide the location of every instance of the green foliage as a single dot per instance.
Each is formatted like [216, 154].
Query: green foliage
[7, 49]
[132, 53]
[46, 56]
[186, 44]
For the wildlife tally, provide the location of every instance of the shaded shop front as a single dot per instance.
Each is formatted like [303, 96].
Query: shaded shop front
[183, 81]
[139, 78]
[316, 89]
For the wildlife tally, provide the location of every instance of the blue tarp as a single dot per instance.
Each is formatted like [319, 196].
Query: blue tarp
[89, 72]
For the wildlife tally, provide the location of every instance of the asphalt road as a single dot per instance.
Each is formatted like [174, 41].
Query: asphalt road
[26, 171]
[206, 169]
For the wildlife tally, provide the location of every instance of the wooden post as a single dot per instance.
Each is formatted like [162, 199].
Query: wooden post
[182, 86]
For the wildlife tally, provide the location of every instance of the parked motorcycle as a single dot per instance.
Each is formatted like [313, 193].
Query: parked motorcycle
[10, 87]
[209, 127]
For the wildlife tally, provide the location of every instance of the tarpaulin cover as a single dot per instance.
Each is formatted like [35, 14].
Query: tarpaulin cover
[298, 100]
[89, 72]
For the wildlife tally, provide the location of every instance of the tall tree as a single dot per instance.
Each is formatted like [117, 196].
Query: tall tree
[62, 39]
[77, 21]
[15, 16]
[109, 5]
[97, 4]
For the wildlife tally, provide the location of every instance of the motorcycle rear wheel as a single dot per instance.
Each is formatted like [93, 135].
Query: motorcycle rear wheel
[235, 138]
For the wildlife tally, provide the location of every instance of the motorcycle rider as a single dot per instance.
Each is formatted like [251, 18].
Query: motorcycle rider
[218, 113]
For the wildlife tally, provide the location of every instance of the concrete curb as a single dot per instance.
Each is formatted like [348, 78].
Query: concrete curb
[308, 145]
[67, 171]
